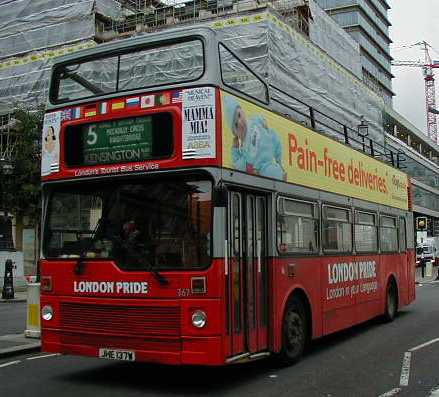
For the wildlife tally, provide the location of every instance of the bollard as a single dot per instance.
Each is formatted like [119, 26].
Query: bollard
[33, 328]
[8, 281]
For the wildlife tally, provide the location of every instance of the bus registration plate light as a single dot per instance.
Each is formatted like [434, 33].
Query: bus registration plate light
[122, 355]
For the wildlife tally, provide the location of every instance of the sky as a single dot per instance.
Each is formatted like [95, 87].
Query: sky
[413, 21]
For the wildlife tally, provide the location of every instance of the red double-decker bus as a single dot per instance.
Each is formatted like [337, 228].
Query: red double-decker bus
[186, 222]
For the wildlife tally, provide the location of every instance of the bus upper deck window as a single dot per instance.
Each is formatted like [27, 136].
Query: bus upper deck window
[128, 69]
[238, 76]
[82, 80]
[171, 63]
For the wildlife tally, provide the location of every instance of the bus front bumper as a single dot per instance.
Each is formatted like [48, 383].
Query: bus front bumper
[190, 350]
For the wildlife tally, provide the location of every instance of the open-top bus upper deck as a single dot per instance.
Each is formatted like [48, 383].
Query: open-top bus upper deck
[180, 99]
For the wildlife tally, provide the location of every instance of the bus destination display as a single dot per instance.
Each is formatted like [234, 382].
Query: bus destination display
[117, 141]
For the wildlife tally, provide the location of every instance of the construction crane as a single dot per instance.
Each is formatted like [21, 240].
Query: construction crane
[430, 95]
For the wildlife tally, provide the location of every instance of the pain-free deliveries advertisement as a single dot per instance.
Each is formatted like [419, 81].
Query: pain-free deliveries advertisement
[263, 143]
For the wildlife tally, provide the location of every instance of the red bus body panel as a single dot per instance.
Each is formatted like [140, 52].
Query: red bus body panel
[156, 325]
[85, 322]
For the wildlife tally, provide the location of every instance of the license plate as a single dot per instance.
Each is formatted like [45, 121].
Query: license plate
[123, 355]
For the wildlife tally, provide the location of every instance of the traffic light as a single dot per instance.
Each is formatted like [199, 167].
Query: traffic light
[421, 223]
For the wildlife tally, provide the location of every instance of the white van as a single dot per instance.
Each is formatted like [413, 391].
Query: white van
[426, 252]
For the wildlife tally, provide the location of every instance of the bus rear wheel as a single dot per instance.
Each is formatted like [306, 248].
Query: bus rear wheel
[294, 332]
[391, 302]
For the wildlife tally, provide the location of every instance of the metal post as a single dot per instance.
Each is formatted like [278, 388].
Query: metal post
[311, 116]
[392, 160]
[8, 281]
[346, 135]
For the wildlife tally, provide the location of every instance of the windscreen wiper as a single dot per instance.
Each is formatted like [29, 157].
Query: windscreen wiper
[80, 263]
[158, 276]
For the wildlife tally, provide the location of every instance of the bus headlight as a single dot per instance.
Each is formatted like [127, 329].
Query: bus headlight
[47, 313]
[199, 319]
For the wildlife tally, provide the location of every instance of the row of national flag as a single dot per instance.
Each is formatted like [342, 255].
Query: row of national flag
[140, 102]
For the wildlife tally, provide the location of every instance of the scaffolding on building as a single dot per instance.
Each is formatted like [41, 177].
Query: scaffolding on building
[33, 34]
[152, 15]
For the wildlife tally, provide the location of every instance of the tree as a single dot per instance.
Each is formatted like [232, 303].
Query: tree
[22, 187]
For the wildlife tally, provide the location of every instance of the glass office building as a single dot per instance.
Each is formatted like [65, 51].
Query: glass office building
[366, 22]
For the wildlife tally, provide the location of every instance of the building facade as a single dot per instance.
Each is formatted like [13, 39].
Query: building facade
[420, 162]
[366, 22]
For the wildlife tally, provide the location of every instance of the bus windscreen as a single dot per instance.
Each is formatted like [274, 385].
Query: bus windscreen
[143, 225]
[131, 69]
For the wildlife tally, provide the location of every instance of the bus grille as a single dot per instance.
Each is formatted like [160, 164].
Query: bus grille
[120, 320]
[171, 344]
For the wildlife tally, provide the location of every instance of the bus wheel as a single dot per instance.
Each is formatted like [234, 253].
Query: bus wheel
[294, 332]
[391, 302]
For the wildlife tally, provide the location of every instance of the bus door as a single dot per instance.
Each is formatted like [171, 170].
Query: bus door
[247, 273]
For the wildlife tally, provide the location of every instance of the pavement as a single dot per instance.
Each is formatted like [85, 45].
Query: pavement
[14, 344]
[17, 344]
[19, 296]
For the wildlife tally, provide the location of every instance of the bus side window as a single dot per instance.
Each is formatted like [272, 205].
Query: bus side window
[388, 234]
[238, 76]
[297, 226]
[402, 235]
[365, 232]
[337, 229]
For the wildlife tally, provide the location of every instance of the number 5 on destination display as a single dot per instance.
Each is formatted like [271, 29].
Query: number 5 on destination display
[92, 137]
